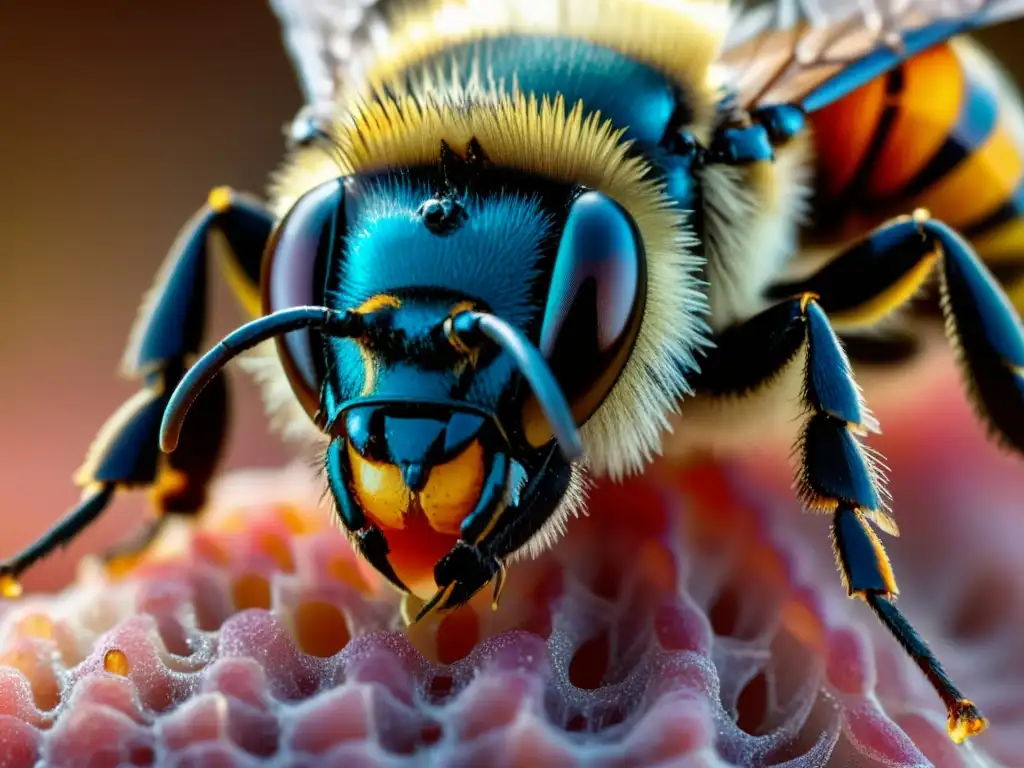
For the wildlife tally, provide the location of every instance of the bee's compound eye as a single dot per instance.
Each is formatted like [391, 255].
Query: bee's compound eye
[594, 307]
[294, 272]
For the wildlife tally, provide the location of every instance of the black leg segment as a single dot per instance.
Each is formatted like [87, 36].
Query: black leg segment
[94, 501]
[888, 267]
[837, 473]
[167, 335]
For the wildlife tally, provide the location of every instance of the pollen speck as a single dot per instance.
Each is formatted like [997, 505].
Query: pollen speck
[116, 662]
[220, 199]
[965, 720]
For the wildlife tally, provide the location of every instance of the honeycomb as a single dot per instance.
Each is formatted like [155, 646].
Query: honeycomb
[693, 618]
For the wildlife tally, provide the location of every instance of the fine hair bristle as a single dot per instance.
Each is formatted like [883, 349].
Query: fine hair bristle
[753, 216]
[573, 504]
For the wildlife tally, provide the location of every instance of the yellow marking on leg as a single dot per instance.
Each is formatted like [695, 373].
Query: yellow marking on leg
[499, 584]
[221, 199]
[965, 720]
[495, 518]
[897, 294]
[806, 299]
[170, 482]
[883, 520]
[441, 596]
[245, 290]
[409, 607]
[884, 565]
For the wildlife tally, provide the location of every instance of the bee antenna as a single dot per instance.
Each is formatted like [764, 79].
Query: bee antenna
[473, 329]
[328, 321]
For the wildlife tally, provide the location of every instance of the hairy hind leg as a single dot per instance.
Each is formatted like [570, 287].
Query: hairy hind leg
[884, 270]
[837, 474]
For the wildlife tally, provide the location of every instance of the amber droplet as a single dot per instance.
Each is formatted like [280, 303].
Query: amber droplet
[10, 587]
[116, 662]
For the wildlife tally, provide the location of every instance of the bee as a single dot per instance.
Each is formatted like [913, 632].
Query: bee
[513, 243]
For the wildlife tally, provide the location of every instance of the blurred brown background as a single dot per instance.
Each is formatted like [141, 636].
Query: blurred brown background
[117, 118]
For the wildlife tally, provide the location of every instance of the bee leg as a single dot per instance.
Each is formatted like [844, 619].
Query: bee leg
[94, 500]
[837, 474]
[886, 269]
[755, 140]
[128, 549]
[868, 575]
[167, 334]
[469, 567]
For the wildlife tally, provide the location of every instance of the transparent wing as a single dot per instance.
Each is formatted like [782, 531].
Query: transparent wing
[811, 52]
[326, 39]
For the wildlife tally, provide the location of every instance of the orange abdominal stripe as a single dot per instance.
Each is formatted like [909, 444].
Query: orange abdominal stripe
[450, 493]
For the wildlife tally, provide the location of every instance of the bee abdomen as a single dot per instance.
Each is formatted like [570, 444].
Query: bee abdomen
[943, 132]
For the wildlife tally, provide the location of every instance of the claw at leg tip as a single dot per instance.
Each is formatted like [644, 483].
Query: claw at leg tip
[965, 720]
[441, 595]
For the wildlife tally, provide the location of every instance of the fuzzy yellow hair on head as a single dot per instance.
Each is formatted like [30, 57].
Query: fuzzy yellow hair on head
[544, 137]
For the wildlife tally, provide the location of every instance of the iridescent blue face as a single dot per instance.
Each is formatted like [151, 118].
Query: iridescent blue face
[422, 428]
[489, 251]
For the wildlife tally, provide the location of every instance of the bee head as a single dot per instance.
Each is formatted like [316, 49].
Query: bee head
[471, 331]
[500, 309]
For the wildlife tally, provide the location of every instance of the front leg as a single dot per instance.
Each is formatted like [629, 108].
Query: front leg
[167, 335]
[836, 474]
